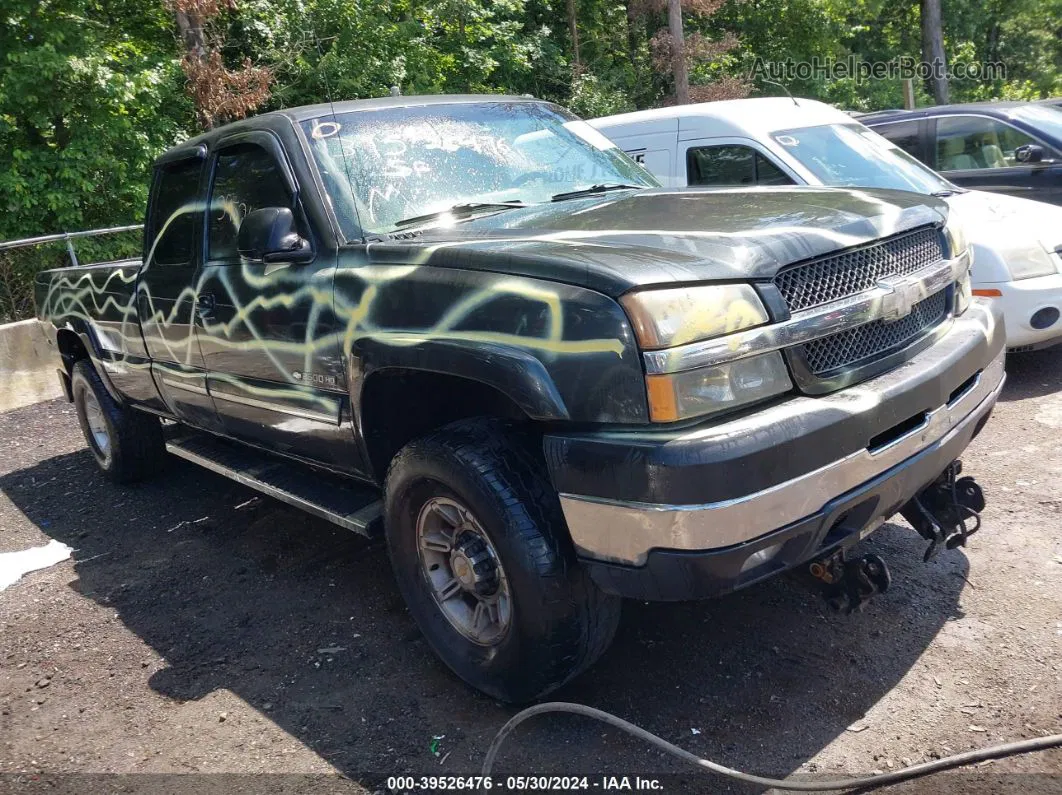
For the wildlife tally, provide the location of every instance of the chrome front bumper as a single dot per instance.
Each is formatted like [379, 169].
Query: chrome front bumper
[625, 532]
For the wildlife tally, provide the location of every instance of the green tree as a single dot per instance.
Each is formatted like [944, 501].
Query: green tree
[90, 93]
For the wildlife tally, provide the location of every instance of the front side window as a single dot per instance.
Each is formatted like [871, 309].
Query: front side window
[731, 165]
[969, 143]
[246, 178]
[386, 166]
[851, 155]
[175, 212]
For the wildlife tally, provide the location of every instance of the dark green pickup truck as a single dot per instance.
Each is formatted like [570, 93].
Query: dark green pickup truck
[474, 325]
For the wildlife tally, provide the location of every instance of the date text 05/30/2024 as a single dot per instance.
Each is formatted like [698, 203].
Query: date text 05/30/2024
[399, 784]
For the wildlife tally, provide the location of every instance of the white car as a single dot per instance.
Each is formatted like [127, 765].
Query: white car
[779, 141]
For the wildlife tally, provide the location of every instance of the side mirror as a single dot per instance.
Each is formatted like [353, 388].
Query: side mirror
[1029, 153]
[270, 235]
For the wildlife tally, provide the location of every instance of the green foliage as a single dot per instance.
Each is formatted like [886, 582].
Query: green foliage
[91, 90]
[361, 49]
[591, 98]
[89, 94]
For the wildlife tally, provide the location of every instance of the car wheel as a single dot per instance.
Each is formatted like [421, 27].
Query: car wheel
[127, 444]
[483, 558]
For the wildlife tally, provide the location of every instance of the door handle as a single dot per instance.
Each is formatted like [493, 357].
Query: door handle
[205, 304]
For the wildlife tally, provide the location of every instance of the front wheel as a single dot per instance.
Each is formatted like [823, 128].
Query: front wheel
[482, 556]
[127, 444]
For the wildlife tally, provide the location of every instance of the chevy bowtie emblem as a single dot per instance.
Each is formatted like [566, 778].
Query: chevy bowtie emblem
[900, 299]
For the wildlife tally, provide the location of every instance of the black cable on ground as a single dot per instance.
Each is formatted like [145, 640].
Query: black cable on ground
[797, 785]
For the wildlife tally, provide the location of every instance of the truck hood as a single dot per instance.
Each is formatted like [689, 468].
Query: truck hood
[619, 241]
[1010, 236]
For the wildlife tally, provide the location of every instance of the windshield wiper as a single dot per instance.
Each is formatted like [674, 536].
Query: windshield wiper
[459, 211]
[943, 194]
[594, 189]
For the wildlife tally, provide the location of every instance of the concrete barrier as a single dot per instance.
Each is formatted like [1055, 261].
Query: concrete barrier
[27, 366]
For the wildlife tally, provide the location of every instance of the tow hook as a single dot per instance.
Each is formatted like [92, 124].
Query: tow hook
[849, 584]
[940, 511]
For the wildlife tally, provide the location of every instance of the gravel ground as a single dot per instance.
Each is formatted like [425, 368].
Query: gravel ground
[200, 629]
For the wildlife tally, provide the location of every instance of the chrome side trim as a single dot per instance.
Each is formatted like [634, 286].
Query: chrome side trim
[183, 387]
[279, 408]
[626, 531]
[808, 325]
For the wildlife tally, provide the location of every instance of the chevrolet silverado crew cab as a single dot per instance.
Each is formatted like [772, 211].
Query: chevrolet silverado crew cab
[475, 325]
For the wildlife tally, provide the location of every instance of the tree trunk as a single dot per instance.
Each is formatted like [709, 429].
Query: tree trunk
[678, 51]
[191, 27]
[992, 45]
[573, 30]
[933, 50]
[219, 94]
[632, 34]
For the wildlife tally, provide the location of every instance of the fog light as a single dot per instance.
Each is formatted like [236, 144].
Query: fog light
[759, 558]
[1044, 318]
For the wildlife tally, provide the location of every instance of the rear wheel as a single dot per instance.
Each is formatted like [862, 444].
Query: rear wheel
[482, 556]
[127, 444]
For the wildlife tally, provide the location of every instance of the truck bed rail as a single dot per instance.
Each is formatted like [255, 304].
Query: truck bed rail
[68, 238]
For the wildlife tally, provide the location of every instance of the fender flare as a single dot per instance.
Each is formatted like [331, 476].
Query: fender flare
[95, 351]
[513, 372]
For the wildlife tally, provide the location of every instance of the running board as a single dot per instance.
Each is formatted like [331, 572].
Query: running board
[341, 501]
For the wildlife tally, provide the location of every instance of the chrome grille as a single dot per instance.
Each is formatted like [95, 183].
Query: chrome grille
[851, 272]
[874, 339]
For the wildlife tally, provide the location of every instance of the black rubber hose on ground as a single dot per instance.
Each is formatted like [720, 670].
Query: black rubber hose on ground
[795, 785]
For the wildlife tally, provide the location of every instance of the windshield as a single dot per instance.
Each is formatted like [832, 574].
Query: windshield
[850, 155]
[384, 166]
[1041, 117]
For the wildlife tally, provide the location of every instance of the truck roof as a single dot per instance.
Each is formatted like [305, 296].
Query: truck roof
[749, 118]
[303, 112]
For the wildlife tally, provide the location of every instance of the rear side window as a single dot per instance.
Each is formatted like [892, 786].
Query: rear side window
[246, 178]
[904, 134]
[730, 165]
[175, 213]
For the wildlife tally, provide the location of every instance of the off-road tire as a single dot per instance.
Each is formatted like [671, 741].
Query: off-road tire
[561, 622]
[136, 449]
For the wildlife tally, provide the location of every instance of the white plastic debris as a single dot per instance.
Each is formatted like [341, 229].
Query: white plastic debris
[13, 565]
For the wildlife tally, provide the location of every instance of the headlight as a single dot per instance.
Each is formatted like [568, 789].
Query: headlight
[956, 236]
[676, 316]
[1028, 259]
[679, 396]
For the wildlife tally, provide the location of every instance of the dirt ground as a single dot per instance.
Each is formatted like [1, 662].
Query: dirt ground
[199, 629]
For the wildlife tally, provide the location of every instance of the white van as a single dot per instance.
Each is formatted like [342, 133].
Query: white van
[779, 141]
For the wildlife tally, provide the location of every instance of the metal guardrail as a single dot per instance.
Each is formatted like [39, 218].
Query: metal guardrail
[68, 238]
